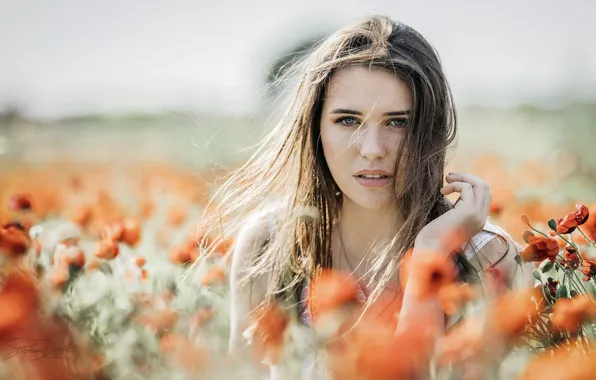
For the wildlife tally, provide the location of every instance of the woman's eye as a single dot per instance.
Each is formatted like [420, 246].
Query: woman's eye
[350, 121]
[398, 122]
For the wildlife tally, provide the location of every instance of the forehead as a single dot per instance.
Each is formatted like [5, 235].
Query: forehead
[367, 90]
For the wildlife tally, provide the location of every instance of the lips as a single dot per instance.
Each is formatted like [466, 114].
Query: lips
[369, 173]
[374, 178]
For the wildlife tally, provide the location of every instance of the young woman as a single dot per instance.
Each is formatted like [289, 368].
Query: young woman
[352, 177]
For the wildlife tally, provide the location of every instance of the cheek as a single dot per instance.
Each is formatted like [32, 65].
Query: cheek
[395, 145]
[335, 144]
[397, 140]
[337, 154]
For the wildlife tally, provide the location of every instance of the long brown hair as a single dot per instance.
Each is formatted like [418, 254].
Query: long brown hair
[288, 168]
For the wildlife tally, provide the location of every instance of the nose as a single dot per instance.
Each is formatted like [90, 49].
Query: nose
[370, 142]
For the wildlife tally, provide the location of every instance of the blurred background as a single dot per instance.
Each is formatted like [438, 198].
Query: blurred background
[185, 82]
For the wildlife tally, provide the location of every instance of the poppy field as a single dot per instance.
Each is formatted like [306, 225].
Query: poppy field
[107, 273]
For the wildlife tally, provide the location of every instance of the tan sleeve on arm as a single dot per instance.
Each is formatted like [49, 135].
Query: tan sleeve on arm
[500, 253]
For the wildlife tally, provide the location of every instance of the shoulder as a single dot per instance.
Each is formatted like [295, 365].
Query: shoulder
[254, 233]
[248, 288]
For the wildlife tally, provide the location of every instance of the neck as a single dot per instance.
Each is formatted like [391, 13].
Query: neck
[362, 228]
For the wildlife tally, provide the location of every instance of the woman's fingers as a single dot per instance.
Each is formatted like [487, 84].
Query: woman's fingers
[465, 177]
[482, 193]
[465, 190]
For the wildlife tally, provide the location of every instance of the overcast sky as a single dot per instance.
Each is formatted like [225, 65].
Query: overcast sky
[63, 57]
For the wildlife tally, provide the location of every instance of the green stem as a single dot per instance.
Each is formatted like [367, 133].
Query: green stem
[568, 242]
[587, 238]
[583, 338]
[542, 286]
[540, 232]
[572, 278]
[578, 281]
[547, 334]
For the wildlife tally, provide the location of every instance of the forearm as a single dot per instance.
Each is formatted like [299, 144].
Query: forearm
[417, 313]
[421, 322]
[421, 309]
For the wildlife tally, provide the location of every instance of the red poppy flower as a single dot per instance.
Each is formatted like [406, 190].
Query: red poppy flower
[465, 342]
[180, 254]
[552, 286]
[380, 354]
[112, 231]
[69, 255]
[59, 275]
[571, 221]
[268, 336]
[14, 240]
[176, 215]
[200, 317]
[571, 257]
[588, 269]
[429, 272]
[81, 215]
[540, 248]
[18, 299]
[107, 249]
[181, 351]
[565, 362]
[454, 296]
[215, 275]
[138, 261]
[131, 233]
[329, 290]
[495, 208]
[159, 320]
[589, 228]
[511, 313]
[569, 313]
[19, 202]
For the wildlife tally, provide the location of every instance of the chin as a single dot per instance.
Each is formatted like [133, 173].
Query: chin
[378, 202]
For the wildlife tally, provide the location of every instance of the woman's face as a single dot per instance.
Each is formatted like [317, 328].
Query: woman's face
[363, 123]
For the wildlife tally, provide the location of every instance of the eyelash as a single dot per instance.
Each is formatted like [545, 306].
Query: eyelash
[341, 120]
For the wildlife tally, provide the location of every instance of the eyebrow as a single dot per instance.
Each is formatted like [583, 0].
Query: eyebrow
[352, 112]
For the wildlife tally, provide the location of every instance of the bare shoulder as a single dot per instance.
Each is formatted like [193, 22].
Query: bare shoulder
[254, 234]
[251, 238]
[493, 247]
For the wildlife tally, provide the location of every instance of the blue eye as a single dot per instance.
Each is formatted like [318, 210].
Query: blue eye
[398, 123]
[347, 121]
[350, 121]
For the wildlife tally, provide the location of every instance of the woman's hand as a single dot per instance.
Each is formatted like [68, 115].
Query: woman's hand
[468, 215]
